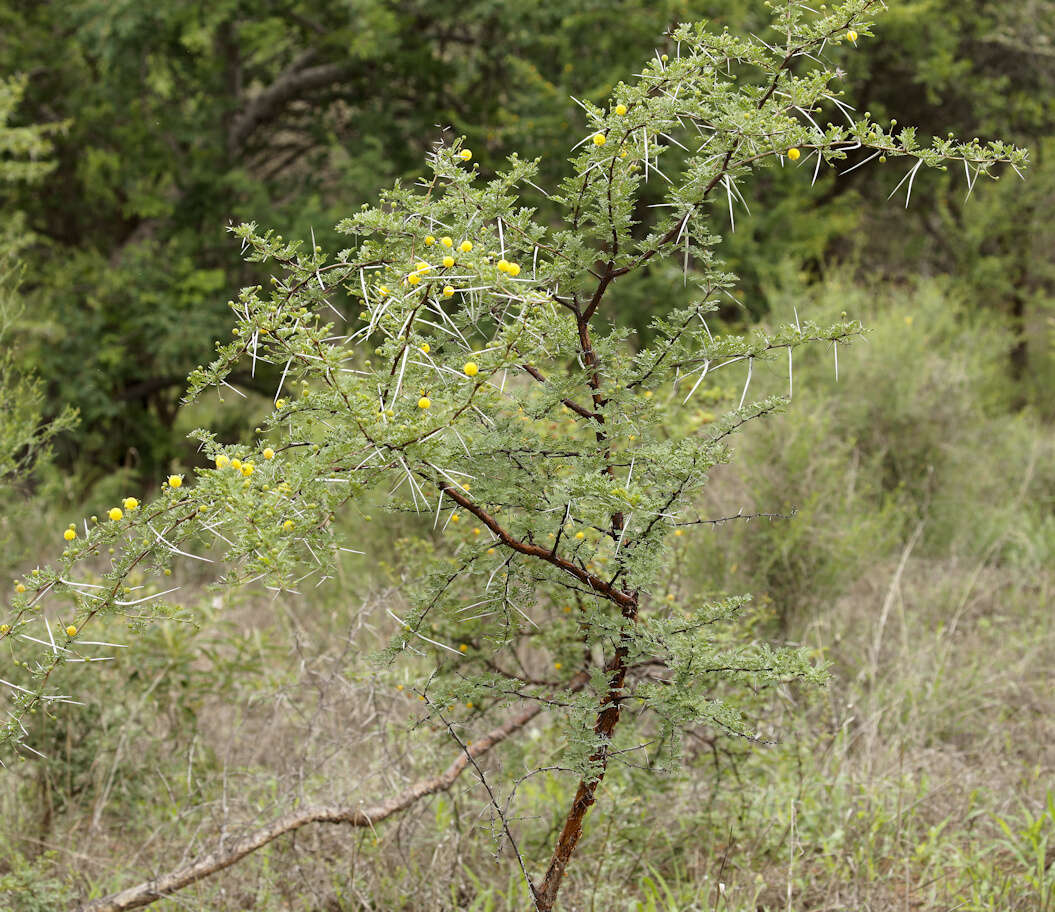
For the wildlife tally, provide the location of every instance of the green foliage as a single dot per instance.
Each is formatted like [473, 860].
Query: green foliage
[488, 387]
[30, 887]
[183, 119]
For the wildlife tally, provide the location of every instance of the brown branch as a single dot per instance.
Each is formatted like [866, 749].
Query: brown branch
[358, 816]
[574, 406]
[600, 586]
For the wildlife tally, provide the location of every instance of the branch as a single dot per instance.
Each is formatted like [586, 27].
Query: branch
[622, 599]
[574, 406]
[296, 80]
[166, 884]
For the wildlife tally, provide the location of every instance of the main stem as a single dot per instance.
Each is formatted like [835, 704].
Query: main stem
[586, 793]
[608, 713]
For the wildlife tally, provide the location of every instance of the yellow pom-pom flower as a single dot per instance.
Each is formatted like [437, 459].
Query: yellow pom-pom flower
[413, 279]
[620, 109]
[5, 628]
[424, 402]
[465, 155]
[383, 290]
[70, 534]
[448, 291]
[599, 139]
[280, 404]
[236, 464]
[247, 469]
[222, 461]
[115, 513]
[429, 240]
[503, 265]
[175, 481]
[71, 631]
[852, 35]
[794, 154]
[269, 453]
[463, 648]
[471, 369]
[19, 588]
[426, 348]
[130, 503]
[465, 246]
[448, 261]
[446, 242]
[287, 525]
[513, 269]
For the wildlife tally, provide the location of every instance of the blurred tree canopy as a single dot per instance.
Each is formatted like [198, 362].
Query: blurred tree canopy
[184, 117]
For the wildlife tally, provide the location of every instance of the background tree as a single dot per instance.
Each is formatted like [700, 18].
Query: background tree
[185, 118]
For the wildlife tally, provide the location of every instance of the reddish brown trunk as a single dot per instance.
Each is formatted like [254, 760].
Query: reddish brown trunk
[585, 795]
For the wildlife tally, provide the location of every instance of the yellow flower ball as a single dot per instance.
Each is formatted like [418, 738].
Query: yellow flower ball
[599, 139]
[503, 265]
[175, 481]
[19, 588]
[426, 348]
[455, 517]
[448, 261]
[620, 109]
[236, 464]
[280, 403]
[580, 535]
[852, 35]
[269, 453]
[287, 525]
[5, 628]
[794, 154]
[465, 246]
[424, 402]
[465, 154]
[490, 550]
[429, 240]
[448, 291]
[423, 267]
[463, 648]
[71, 631]
[471, 369]
[69, 534]
[383, 290]
[557, 666]
[115, 513]
[130, 503]
[446, 242]
[513, 269]
[413, 279]
[247, 469]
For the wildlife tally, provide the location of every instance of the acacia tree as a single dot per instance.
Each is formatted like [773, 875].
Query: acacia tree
[485, 389]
